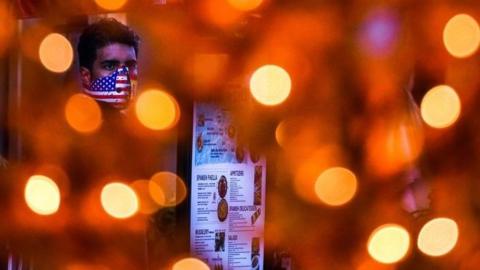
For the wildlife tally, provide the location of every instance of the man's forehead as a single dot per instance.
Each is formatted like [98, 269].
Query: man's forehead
[116, 51]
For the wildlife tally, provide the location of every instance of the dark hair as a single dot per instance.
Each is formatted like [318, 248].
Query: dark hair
[101, 34]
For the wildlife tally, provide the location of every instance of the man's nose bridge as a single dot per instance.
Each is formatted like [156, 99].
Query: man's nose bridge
[123, 68]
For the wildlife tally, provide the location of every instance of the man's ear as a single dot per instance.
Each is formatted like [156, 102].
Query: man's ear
[85, 76]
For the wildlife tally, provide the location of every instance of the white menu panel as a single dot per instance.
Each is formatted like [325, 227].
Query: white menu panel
[227, 194]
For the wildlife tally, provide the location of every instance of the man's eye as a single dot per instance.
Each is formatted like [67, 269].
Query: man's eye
[109, 66]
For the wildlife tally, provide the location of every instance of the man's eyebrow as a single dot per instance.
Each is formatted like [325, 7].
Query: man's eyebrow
[110, 61]
[129, 62]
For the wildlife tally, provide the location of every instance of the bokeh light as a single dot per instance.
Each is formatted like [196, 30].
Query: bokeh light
[83, 113]
[308, 168]
[147, 205]
[111, 4]
[42, 195]
[388, 243]
[379, 32]
[393, 145]
[440, 106]
[218, 12]
[157, 110]
[438, 236]
[167, 189]
[56, 53]
[461, 36]
[270, 85]
[119, 200]
[190, 264]
[281, 135]
[303, 134]
[336, 186]
[245, 5]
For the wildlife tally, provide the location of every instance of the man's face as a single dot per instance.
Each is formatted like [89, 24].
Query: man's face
[109, 59]
[112, 57]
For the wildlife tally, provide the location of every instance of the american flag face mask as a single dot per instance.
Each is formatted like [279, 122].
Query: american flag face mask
[116, 89]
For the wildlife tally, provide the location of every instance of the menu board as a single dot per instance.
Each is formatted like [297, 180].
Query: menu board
[227, 194]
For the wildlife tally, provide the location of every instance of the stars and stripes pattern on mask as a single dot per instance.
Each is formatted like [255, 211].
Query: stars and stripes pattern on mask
[115, 88]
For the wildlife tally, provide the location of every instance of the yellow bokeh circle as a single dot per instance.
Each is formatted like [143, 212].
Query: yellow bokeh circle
[157, 110]
[388, 243]
[119, 200]
[461, 36]
[42, 195]
[440, 107]
[56, 53]
[270, 85]
[167, 189]
[83, 114]
[336, 186]
[190, 264]
[438, 237]
[111, 4]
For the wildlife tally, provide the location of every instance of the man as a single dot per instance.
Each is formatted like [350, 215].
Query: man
[108, 53]
[107, 56]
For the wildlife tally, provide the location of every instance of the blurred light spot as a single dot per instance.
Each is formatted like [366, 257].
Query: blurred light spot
[42, 195]
[336, 186]
[308, 169]
[270, 85]
[119, 200]
[146, 202]
[438, 237]
[389, 243]
[245, 5]
[111, 4]
[379, 32]
[440, 106]
[83, 113]
[304, 133]
[218, 12]
[167, 189]
[461, 36]
[157, 110]
[56, 53]
[281, 133]
[190, 264]
[394, 144]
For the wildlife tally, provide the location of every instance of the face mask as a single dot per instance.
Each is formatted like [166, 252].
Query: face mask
[116, 89]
